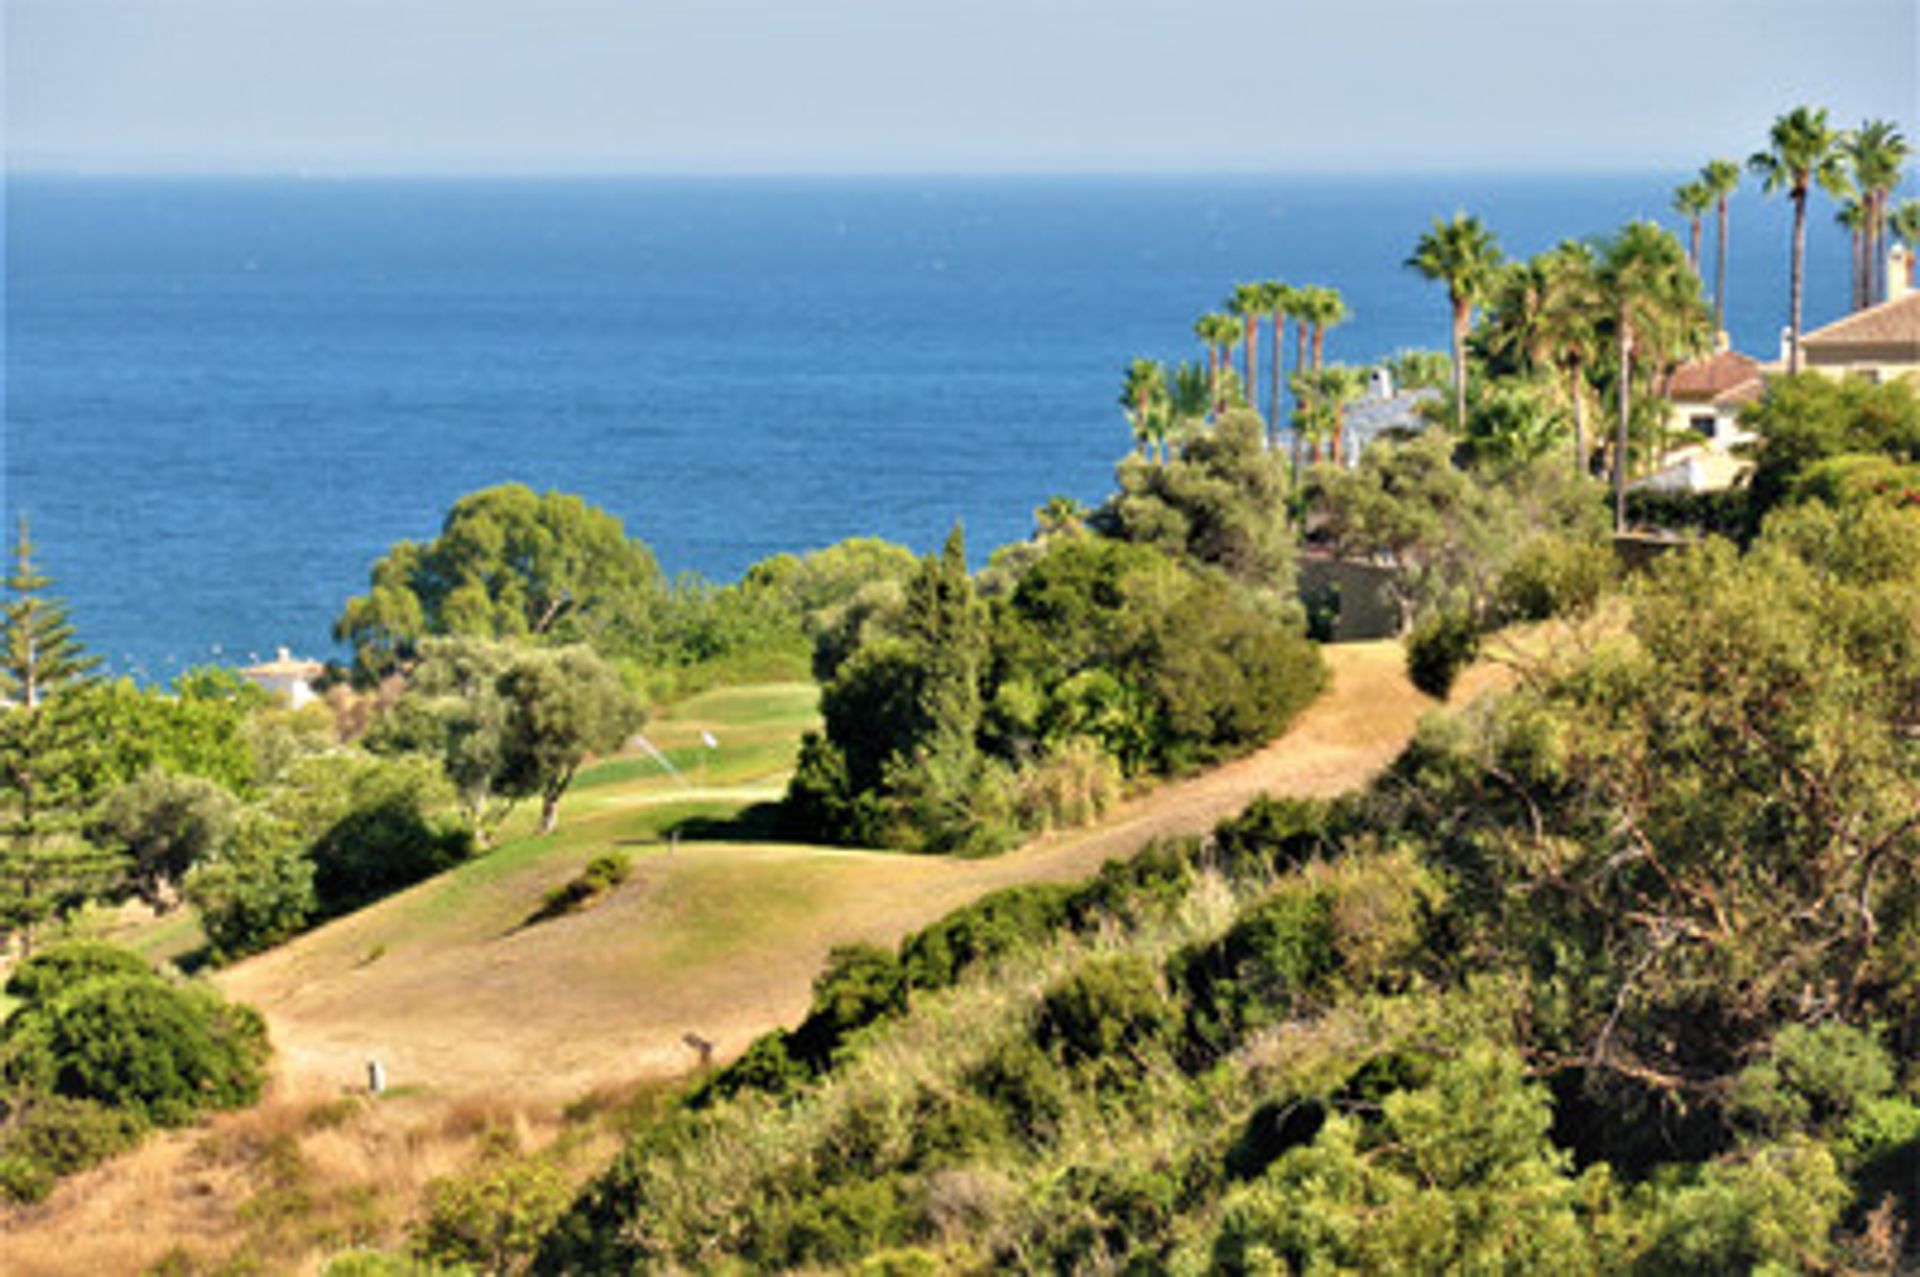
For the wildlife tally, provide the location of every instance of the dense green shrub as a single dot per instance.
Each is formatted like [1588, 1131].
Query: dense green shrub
[1441, 645]
[493, 1214]
[601, 875]
[860, 984]
[255, 893]
[1279, 951]
[996, 924]
[55, 970]
[1109, 1009]
[1553, 575]
[159, 1052]
[43, 1137]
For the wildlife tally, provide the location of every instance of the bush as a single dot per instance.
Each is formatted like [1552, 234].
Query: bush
[386, 840]
[257, 892]
[1553, 575]
[996, 924]
[494, 1214]
[602, 875]
[1073, 784]
[51, 972]
[43, 1137]
[861, 984]
[156, 1051]
[1279, 951]
[1441, 645]
[1111, 1007]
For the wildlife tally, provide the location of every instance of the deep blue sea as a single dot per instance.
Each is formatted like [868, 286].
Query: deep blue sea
[225, 398]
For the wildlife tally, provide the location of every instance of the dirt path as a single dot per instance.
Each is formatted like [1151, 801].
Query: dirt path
[465, 1007]
[721, 940]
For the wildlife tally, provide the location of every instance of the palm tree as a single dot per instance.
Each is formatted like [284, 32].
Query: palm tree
[1722, 177]
[1801, 150]
[1248, 304]
[1461, 254]
[1326, 308]
[1142, 392]
[1060, 516]
[1654, 302]
[1875, 152]
[1692, 200]
[1852, 214]
[1904, 223]
[1189, 400]
[1274, 297]
[1220, 333]
[1568, 327]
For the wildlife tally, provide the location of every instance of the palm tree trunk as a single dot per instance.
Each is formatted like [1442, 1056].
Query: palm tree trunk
[1276, 322]
[1252, 360]
[1460, 313]
[1799, 268]
[1693, 246]
[1876, 247]
[1720, 274]
[1319, 347]
[1859, 291]
[1620, 435]
[1574, 379]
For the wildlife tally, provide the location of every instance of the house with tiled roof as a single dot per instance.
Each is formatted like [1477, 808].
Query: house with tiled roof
[1880, 343]
[1706, 396]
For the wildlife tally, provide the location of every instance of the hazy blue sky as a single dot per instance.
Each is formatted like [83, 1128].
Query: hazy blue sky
[837, 85]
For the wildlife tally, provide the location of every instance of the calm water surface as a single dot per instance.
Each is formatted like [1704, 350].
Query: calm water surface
[225, 398]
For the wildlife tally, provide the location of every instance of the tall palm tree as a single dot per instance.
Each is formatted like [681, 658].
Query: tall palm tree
[1875, 152]
[1219, 333]
[1722, 177]
[1274, 297]
[1189, 400]
[1904, 223]
[1802, 150]
[1462, 254]
[1852, 214]
[1326, 308]
[1248, 304]
[1692, 200]
[1567, 328]
[1654, 302]
[1142, 393]
[1297, 304]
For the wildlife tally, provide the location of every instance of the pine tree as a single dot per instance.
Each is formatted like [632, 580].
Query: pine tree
[46, 870]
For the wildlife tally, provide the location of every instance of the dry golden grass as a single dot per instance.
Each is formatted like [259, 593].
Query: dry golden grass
[481, 1021]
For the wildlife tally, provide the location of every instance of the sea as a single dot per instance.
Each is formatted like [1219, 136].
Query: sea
[226, 397]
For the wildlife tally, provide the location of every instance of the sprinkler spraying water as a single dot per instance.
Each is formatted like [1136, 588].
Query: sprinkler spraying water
[658, 757]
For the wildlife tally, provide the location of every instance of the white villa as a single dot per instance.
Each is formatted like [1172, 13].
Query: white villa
[286, 676]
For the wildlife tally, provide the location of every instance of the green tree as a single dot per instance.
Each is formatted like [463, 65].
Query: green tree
[1802, 151]
[1692, 200]
[1144, 397]
[254, 891]
[562, 706]
[507, 564]
[1722, 179]
[1462, 254]
[45, 871]
[162, 825]
[1654, 302]
[1249, 305]
[1274, 300]
[1876, 153]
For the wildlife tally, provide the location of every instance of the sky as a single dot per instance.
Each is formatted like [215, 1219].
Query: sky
[778, 86]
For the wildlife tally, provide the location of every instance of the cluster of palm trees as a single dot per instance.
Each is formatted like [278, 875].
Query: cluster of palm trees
[1627, 307]
[1860, 168]
[1164, 403]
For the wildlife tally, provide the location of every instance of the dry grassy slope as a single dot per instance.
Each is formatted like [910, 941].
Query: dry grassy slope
[495, 1023]
[718, 939]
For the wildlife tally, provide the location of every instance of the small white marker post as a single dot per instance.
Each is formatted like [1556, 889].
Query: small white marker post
[376, 1078]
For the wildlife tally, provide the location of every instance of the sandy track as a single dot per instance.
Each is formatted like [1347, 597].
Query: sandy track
[606, 997]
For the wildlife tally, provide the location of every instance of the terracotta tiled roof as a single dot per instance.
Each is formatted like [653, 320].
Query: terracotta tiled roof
[1707, 378]
[1739, 396]
[1894, 323]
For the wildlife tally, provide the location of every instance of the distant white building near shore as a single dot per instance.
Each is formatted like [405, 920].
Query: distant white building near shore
[286, 676]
